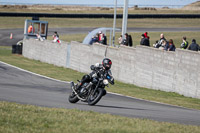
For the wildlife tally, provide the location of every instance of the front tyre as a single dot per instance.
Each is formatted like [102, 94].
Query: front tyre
[73, 98]
[93, 99]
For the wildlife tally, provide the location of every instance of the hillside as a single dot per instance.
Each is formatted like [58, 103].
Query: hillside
[193, 6]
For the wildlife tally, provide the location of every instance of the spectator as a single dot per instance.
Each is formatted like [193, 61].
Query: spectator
[39, 37]
[95, 39]
[159, 43]
[194, 46]
[184, 45]
[31, 29]
[146, 36]
[171, 46]
[102, 39]
[127, 41]
[144, 41]
[164, 46]
[56, 37]
[130, 42]
[162, 37]
[100, 32]
[120, 40]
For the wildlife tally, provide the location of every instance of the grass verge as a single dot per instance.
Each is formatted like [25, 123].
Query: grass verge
[122, 88]
[16, 118]
[18, 22]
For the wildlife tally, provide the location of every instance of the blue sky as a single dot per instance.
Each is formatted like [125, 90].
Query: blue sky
[102, 2]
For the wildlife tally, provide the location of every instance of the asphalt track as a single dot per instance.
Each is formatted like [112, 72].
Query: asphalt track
[20, 86]
[19, 33]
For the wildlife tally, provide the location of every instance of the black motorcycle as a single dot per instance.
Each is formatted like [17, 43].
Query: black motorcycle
[91, 92]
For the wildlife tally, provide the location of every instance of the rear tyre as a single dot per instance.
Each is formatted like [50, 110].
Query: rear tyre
[92, 100]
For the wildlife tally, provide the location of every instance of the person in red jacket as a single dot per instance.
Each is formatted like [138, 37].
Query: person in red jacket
[146, 36]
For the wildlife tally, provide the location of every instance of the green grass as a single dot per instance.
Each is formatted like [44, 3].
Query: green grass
[122, 88]
[18, 22]
[16, 118]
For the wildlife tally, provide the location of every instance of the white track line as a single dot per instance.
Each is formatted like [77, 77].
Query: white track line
[33, 73]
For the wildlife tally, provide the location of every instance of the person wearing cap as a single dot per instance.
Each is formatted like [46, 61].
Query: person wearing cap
[144, 41]
[194, 46]
[184, 45]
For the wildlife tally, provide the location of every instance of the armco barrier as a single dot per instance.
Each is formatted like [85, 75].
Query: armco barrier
[130, 16]
[143, 66]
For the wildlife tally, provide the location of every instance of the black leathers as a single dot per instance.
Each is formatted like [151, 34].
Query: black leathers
[99, 71]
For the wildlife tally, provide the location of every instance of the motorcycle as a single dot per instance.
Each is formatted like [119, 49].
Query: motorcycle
[91, 92]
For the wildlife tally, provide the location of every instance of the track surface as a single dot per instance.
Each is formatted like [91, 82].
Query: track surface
[19, 33]
[26, 88]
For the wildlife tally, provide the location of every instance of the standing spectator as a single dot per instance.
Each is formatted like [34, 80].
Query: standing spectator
[162, 36]
[127, 41]
[130, 42]
[171, 46]
[144, 41]
[194, 46]
[146, 36]
[56, 37]
[165, 45]
[159, 43]
[94, 39]
[120, 39]
[31, 29]
[102, 39]
[99, 35]
[184, 45]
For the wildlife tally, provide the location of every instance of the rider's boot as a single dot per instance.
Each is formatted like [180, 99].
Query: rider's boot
[78, 85]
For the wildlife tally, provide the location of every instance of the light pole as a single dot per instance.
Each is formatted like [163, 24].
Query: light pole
[114, 22]
[125, 17]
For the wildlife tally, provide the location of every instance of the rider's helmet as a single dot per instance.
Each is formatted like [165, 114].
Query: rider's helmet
[106, 63]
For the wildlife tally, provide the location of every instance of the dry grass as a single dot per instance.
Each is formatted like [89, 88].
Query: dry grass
[87, 9]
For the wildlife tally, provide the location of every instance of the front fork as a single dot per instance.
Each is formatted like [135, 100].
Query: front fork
[73, 89]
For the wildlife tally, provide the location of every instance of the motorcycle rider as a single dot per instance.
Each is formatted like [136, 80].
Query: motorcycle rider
[98, 70]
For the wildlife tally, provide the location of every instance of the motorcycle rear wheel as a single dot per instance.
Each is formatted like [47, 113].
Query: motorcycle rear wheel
[92, 100]
[73, 98]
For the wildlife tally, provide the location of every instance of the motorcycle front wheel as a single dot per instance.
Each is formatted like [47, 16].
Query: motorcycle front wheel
[73, 98]
[93, 99]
